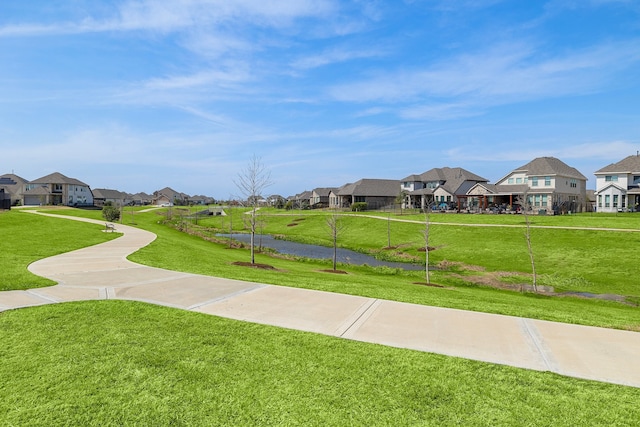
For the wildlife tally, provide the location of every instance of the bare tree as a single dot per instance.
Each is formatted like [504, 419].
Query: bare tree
[401, 199]
[335, 226]
[426, 234]
[389, 229]
[251, 182]
[526, 207]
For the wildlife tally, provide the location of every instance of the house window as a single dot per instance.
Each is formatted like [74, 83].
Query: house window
[518, 180]
[611, 178]
[573, 183]
[448, 198]
[534, 181]
[615, 200]
[406, 184]
[544, 200]
[510, 181]
[600, 200]
[360, 199]
[547, 181]
[537, 203]
[607, 201]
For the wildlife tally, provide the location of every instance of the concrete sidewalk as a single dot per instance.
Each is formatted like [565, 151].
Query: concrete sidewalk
[103, 272]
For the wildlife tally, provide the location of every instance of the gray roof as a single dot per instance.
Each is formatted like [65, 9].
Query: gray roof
[13, 184]
[629, 164]
[422, 192]
[508, 189]
[455, 180]
[411, 178]
[324, 192]
[37, 191]
[58, 178]
[549, 166]
[142, 196]
[371, 187]
[104, 193]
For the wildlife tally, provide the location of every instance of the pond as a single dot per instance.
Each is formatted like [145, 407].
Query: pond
[344, 256]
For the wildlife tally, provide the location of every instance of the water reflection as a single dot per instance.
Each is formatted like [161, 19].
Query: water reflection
[345, 256]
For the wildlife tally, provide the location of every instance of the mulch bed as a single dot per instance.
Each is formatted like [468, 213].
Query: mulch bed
[433, 285]
[334, 271]
[254, 265]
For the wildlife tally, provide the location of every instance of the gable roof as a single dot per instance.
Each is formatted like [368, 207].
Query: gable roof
[497, 189]
[371, 187]
[105, 193]
[170, 193]
[455, 180]
[549, 166]
[141, 196]
[323, 191]
[630, 164]
[411, 178]
[58, 178]
[611, 185]
[13, 184]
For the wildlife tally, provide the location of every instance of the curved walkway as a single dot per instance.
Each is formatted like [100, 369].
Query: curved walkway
[103, 272]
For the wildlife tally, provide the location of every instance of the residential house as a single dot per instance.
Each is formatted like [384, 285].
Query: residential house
[201, 200]
[301, 200]
[5, 200]
[618, 186]
[13, 187]
[102, 196]
[142, 199]
[550, 185]
[57, 189]
[276, 200]
[169, 197]
[444, 187]
[320, 197]
[376, 193]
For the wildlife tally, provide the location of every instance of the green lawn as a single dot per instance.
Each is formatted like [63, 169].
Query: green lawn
[113, 363]
[27, 238]
[182, 252]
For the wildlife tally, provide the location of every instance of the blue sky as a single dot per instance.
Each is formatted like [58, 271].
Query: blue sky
[137, 95]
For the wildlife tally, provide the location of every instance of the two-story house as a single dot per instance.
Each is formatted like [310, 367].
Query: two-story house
[549, 184]
[618, 186]
[443, 187]
[13, 186]
[169, 197]
[57, 189]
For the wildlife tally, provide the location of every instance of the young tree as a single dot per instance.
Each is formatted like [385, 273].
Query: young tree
[335, 226]
[526, 207]
[401, 200]
[426, 235]
[251, 182]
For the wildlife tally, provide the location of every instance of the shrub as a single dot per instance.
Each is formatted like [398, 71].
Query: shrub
[110, 213]
[359, 206]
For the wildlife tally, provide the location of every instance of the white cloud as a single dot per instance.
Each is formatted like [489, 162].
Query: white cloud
[178, 15]
[603, 151]
[334, 55]
[469, 83]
